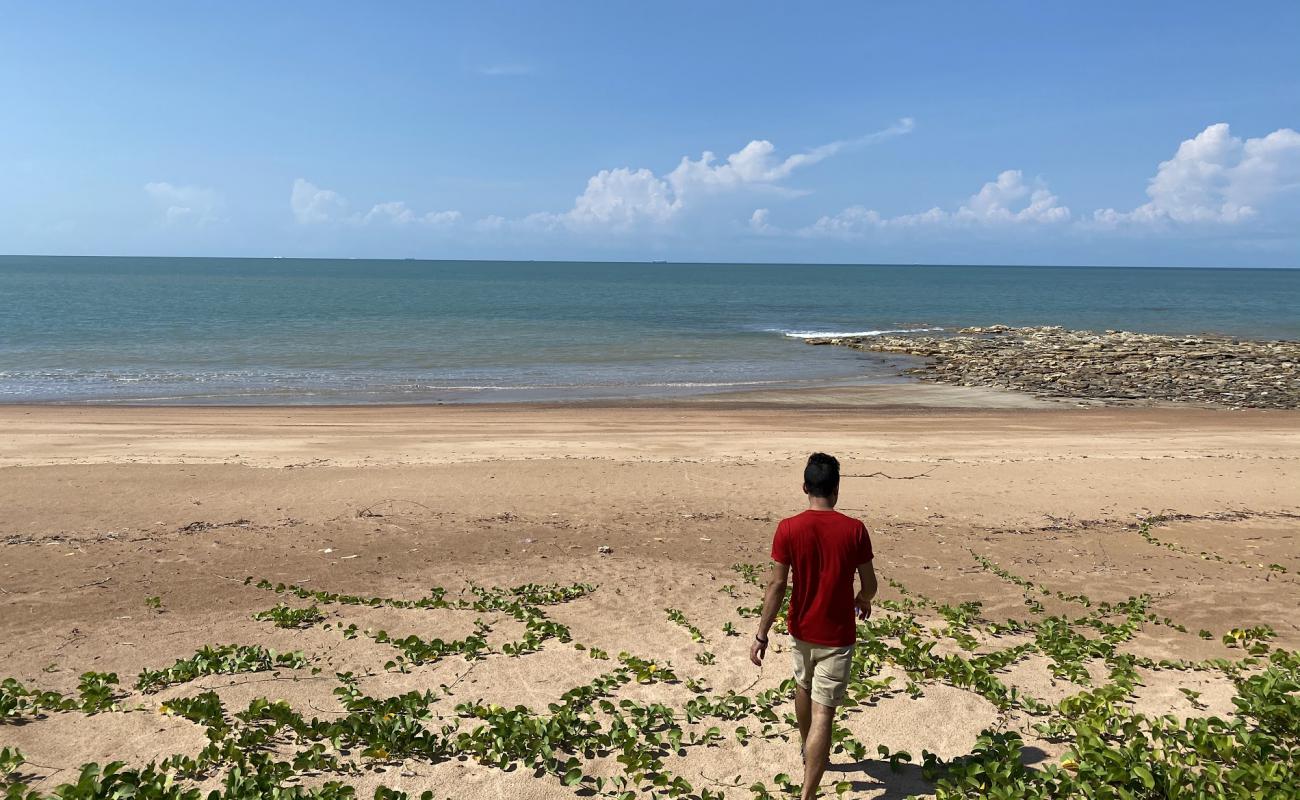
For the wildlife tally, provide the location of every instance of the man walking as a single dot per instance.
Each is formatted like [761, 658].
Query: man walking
[824, 548]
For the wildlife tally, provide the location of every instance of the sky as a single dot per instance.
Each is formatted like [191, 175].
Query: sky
[1155, 133]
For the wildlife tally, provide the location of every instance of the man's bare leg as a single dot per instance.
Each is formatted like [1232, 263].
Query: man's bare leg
[817, 747]
[803, 712]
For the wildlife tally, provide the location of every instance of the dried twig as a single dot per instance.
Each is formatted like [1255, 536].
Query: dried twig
[369, 511]
[201, 526]
[278, 678]
[462, 677]
[720, 782]
[894, 477]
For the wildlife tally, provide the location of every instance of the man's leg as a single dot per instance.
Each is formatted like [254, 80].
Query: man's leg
[817, 747]
[803, 676]
[803, 712]
[829, 683]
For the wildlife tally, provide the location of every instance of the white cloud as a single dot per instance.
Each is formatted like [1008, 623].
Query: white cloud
[313, 205]
[755, 162]
[851, 221]
[1008, 200]
[1215, 177]
[184, 204]
[935, 216]
[995, 200]
[542, 221]
[440, 219]
[396, 213]
[622, 198]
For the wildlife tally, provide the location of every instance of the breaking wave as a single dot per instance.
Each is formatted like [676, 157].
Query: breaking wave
[844, 334]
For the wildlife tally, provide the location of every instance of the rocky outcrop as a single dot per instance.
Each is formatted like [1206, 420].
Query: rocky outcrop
[1114, 366]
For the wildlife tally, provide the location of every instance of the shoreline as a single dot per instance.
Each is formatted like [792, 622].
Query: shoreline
[911, 393]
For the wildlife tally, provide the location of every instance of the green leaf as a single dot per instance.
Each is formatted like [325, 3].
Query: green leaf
[1148, 780]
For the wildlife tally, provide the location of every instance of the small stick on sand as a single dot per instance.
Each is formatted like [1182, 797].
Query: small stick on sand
[894, 477]
[368, 511]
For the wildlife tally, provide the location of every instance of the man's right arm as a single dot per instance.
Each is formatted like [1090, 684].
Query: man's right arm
[867, 576]
[777, 580]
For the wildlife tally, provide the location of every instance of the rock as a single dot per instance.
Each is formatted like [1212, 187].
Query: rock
[990, 329]
[1114, 366]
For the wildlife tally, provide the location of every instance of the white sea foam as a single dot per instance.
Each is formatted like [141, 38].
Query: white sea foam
[847, 334]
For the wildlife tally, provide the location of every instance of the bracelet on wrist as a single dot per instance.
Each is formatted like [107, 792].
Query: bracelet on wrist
[760, 639]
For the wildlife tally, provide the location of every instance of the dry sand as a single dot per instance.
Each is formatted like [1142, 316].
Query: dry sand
[103, 507]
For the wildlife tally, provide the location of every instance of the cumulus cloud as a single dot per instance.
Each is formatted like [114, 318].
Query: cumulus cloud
[184, 204]
[440, 219]
[623, 198]
[1007, 200]
[996, 200]
[1216, 177]
[312, 205]
[851, 221]
[396, 213]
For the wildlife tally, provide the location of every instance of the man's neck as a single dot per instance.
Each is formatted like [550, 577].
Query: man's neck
[820, 504]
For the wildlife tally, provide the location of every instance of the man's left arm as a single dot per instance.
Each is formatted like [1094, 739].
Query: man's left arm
[777, 580]
[867, 576]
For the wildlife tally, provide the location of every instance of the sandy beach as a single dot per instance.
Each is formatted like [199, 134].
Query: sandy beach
[128, 534]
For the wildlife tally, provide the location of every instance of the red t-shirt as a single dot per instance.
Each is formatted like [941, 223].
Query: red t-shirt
[823, 550]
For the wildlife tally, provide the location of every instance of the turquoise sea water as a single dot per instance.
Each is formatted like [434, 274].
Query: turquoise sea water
[342, 331]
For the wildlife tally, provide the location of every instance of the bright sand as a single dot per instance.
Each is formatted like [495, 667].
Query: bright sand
[100, 505]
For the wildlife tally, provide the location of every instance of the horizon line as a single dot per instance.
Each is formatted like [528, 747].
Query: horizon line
[666, 262]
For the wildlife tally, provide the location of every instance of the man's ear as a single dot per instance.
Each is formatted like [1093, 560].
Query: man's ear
[805, 488]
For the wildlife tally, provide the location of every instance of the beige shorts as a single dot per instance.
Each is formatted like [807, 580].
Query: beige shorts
[823, 672]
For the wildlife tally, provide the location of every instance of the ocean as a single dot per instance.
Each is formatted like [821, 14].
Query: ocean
[303, 331]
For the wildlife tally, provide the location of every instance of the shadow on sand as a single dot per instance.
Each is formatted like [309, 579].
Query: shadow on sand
[874, 775]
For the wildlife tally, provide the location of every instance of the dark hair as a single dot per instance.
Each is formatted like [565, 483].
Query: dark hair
[822, 475]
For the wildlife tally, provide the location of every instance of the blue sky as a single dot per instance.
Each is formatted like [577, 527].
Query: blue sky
[1060, 133]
